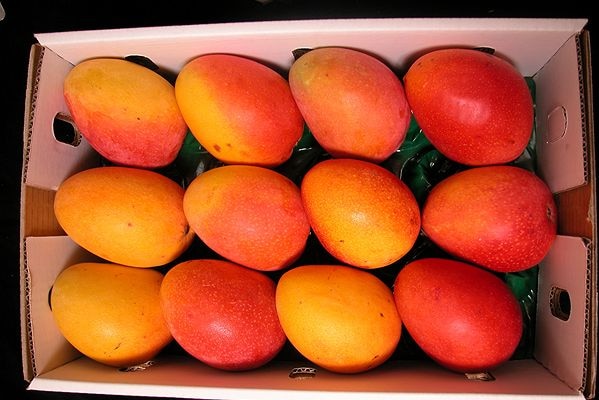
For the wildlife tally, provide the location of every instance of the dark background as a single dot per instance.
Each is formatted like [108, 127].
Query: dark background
[24, 18]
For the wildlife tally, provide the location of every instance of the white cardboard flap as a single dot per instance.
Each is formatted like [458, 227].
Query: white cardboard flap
[185, 377]
[48, 161]
[45, 258]
[528, 42]
[561, 339]
[560, 135]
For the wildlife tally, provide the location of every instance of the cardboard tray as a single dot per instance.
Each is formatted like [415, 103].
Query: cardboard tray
[555, 52]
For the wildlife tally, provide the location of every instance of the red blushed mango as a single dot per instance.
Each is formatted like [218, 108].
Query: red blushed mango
[250, 215]
[127, 113]
[126, 215]
[474, 107]
[464, 317]
[500, 217]
[240, 110]
[222, 313]
[352, 102]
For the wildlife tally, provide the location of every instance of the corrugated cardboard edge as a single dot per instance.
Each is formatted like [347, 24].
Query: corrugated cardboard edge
[590, 387]
[35, 59]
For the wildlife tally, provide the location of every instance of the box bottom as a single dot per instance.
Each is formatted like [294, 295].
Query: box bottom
[185, 377]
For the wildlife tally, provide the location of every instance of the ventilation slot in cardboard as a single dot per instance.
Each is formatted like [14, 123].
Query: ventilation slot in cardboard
[139, 367]
[302, 373]
[559, 302]
[65, 131]
[480, 376]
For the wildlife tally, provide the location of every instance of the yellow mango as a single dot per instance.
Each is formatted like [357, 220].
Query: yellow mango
[125, 215]
[111, 313]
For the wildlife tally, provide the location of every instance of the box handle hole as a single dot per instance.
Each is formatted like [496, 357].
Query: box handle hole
[65, 131]
[559, 302]
[557, 124]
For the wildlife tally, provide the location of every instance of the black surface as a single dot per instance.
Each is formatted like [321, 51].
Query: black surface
[24, 18]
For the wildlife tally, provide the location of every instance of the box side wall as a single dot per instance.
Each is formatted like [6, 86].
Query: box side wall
[183, 377]
[528, 43]
[567, 345]
[46, 162]
[26, 344]
[591, 215]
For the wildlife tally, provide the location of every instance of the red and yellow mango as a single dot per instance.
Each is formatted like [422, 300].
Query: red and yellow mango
[128, 113]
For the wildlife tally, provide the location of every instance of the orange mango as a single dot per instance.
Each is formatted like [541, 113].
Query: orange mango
[363, 215]
[342, 318]
[125, 215]
[111, 313]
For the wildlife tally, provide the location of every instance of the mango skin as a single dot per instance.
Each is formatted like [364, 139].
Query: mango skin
[223, 314]
[464, 317]
[127, 113]
[111, 313]
[361, 213]
[342, 318]
[125, 215]
[352, 102]
[501, 217]
[474, 107]
[240, 110]
[250, 215]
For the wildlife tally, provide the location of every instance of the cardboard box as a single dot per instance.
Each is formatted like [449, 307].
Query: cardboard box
[555, 52]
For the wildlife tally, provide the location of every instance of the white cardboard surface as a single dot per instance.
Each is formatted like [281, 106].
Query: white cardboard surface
[50, 161]
[560, 144]
[533, 40]
[187, 378]
[560, 345]
[47, 256]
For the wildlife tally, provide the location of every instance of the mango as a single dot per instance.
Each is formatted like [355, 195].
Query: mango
[248, 214]
[474, 107]
[239, 110]
[111, 313]
[222, 314]
[127, 113]
[501, 217]
[464, 317]
[353, 103]
[361, 213]
[342, 318]
[125, 215]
